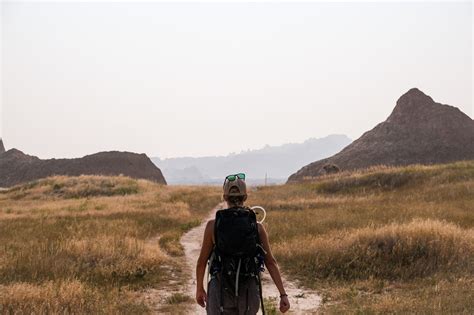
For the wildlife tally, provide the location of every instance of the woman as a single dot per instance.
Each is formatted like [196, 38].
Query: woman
[223, 298]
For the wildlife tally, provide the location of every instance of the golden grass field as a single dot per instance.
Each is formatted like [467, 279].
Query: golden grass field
[78, 245]
[384, 240]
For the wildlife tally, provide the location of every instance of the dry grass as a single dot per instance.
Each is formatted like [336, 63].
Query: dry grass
[384, 240]
[82, 244]
[372, 239]
[179, 298]
[68, 297]
[395, 251]
[75, 187]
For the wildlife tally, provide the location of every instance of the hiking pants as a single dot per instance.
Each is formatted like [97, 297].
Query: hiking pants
[246, 303]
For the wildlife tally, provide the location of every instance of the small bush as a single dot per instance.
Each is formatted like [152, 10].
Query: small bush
[178, 298]
[169, 241]
[270, 305]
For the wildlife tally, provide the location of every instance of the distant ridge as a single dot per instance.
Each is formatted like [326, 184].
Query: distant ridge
[418, 130]
[17, 167]
[277, 162]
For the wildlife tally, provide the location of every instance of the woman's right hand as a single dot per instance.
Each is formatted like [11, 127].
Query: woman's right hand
[201, 297]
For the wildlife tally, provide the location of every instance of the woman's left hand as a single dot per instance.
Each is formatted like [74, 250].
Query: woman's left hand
[284, 304]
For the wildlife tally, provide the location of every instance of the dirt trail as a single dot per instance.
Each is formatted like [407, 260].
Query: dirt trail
[302, 301]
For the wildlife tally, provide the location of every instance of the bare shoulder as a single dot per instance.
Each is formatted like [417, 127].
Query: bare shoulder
[209, 232]
[210, 226]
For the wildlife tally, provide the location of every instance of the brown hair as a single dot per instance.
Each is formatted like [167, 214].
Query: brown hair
[236, 200]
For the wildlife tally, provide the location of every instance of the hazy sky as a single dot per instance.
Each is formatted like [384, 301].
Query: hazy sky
[205, 79]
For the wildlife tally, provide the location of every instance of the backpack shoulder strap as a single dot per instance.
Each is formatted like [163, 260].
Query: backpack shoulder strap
[254, 217]
[216, 222]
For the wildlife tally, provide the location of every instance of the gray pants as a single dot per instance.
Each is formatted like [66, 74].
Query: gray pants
[246, 303]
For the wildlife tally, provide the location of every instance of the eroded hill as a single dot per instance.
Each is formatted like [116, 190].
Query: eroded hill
[17, 167]
[419, 130]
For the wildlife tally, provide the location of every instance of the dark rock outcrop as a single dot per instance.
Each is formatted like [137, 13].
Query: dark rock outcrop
[2, 148]
[17, 167]
[331, 169]
[419, 130]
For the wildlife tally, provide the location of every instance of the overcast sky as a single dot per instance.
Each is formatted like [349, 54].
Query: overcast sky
[208, 79]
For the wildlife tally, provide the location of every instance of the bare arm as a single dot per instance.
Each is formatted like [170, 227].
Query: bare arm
[270, 261]
[206, 249]
[273, 269]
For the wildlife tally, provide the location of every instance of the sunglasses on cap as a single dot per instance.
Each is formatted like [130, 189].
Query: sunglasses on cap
[233, 177]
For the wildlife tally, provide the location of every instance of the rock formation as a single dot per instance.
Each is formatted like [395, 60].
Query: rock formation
[17, 167]
[2, 148]
[418, 130]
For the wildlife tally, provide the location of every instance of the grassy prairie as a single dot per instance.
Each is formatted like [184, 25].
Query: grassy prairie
[382, 240]
[79, 244]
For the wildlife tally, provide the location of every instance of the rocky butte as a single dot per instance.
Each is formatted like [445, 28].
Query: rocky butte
[418, 131]
[17, 167]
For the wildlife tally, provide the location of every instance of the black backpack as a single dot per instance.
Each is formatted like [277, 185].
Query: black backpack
[236, 233]
[238, 253]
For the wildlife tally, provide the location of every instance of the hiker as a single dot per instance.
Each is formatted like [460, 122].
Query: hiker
[237, 248]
